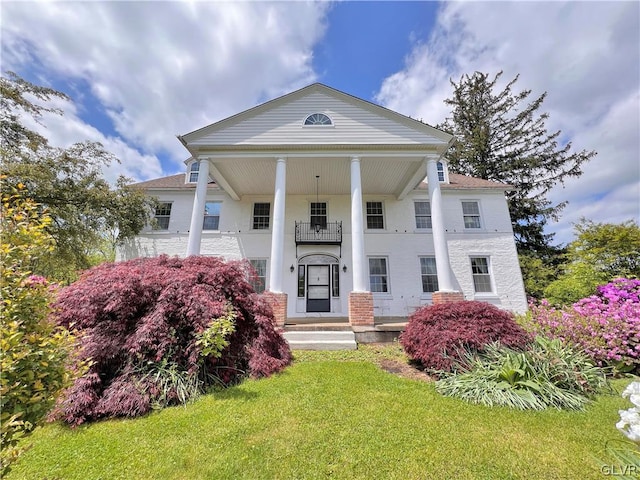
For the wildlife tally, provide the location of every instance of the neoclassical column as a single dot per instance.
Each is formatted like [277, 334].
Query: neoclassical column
[277, 232]
[197, 212]
[445, 280]
[357, 229]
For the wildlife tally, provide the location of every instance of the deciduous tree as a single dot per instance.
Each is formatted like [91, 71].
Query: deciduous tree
[84, 208]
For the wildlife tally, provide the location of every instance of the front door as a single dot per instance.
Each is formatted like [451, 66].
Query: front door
[318, 288]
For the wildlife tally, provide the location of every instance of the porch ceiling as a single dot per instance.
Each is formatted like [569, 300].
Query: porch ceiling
[380, 175]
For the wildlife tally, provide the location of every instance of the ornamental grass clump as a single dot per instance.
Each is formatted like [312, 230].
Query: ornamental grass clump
[437, 335]
[159, 331]
[605, 325]
[546, 374]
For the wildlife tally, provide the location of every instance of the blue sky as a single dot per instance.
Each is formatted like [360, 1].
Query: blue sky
[139, 73]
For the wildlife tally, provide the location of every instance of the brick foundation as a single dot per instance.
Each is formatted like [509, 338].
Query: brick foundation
[447, 297]
[361, 308]
[278, 303]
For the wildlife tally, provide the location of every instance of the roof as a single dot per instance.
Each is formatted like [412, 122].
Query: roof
[172, 182]
[457, 182]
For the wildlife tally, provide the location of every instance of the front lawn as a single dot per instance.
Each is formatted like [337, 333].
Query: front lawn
[331, 414]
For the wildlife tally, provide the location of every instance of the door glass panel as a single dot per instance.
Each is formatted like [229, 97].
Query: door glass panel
[318, 292]
[318, 275]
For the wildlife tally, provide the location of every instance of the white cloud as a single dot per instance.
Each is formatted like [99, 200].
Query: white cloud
[584, 54]
[166, 68]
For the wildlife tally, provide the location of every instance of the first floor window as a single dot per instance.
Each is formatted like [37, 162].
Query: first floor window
[481, 275]
[429, 274]
[335, 280]
[471, 214]
[375, 215]
[301, 280]
[261, 213]
[258, 279]
[163, 213]
[211, 216]
[378, 277]
[423, 214]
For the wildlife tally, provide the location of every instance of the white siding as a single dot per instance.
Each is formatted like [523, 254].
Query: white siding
[352, 125]
[399, 242]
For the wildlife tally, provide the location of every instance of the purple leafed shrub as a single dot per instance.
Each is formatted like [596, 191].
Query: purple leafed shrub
[140, 323]
[605, 325]
[435, 334]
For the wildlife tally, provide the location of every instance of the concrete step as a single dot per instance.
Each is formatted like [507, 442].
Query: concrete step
[321, 340]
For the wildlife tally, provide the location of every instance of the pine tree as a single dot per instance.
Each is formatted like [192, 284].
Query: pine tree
[503, 138]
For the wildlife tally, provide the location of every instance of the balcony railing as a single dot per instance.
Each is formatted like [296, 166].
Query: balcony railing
[319, 234]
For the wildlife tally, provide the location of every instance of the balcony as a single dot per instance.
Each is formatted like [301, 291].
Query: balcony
[308, 233]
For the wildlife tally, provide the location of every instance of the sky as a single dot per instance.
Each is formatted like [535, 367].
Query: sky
[140, 73]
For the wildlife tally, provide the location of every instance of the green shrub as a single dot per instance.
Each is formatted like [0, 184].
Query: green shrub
[35, 353]
[547, 374]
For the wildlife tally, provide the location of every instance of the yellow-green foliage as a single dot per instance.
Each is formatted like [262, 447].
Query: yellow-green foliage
[35, 353]
[214, 340]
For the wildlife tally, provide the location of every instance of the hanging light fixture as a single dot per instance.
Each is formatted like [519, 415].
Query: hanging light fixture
[317, 226]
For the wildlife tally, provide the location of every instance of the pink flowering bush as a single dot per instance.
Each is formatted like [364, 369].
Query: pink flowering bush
[605, 325]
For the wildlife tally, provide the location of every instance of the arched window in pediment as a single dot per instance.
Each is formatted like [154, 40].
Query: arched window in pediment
[318, 119]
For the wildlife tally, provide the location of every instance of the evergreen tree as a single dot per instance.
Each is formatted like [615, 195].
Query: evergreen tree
[503, 138]
[85, 209]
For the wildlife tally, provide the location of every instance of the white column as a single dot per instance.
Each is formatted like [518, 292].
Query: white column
[277, 233]
[197, 212]
[357, 230]
[445, 283]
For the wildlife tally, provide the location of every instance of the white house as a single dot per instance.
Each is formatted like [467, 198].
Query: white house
[346, 210]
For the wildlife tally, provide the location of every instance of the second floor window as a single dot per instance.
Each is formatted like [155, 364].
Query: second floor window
[440, 171]
[163, 213]
[211, 216]
[471, 214]
[193, 172]
[261, 213]
[423, 214]
[318, 215]
[375, 215]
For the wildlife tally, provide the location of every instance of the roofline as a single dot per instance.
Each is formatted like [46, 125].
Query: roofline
[264, 106]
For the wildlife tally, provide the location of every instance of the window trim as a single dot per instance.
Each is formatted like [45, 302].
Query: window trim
[254, 216]
[366, 215]
[479, 215]
[422, 275]
[386, 274]
[156, 227]
[316, 125]
[205, 216]
[489, 273]
[416, 215]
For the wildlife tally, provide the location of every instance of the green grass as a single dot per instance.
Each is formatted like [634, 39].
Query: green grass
[330, 415]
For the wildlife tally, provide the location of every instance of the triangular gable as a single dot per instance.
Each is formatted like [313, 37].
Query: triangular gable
[280, 122]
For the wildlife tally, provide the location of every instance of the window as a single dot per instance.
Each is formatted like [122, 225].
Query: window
[211, 216]
[261, 213]
[301, 280]
[440, 166]
[471, 214]
[193, 172]
[378, 279]
[258, 279]
[163, 212]
[375, 217]
[429, 274]
[335, 280]
[423, 214]
[318, 215]
[481, 275]
[318, 119]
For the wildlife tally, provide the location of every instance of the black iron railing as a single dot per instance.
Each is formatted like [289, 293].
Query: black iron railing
[318, 233]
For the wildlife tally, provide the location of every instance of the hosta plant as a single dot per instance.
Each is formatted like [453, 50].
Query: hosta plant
[158, 331]
[546, 374]
[435, 335]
